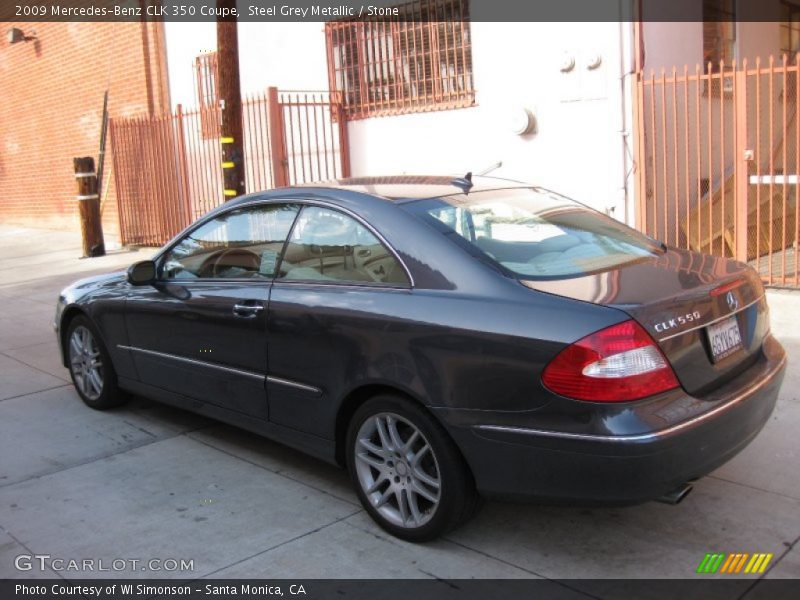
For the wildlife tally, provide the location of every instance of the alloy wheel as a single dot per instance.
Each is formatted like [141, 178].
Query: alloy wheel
[85, 363]
[397, 470]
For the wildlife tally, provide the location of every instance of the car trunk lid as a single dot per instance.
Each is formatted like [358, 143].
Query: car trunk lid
[693, 305]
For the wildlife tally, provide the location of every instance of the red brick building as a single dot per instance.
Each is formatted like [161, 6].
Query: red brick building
[51, 110]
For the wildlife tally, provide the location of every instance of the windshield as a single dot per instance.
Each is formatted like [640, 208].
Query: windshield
[535, 233]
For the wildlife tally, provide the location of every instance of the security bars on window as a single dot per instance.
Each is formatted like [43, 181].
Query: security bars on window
[418, 61]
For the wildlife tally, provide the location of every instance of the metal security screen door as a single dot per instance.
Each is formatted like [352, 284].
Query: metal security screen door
[718, 156]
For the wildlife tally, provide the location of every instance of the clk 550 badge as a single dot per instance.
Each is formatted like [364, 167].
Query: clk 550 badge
[677, 321]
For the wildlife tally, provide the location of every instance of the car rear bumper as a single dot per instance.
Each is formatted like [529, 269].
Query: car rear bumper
[584, 467]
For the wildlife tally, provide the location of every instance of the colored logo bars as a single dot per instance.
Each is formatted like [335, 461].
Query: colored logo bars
[741, 562]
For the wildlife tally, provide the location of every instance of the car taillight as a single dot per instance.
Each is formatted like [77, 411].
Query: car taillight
[616, 364]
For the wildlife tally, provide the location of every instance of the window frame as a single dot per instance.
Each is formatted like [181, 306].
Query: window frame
[302, 203]
[162, 255]
[342, 283]
[376, 45]
[721, 8]
[793, 8]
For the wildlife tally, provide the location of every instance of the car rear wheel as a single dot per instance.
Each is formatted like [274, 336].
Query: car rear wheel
[90, 366]
[408, 473]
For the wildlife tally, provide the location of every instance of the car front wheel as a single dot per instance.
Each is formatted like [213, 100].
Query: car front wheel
[408, 473]
[90, 366]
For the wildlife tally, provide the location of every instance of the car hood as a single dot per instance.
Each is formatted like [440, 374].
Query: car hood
[84, 286]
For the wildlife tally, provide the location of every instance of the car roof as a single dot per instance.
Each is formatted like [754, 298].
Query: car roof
[408, 187]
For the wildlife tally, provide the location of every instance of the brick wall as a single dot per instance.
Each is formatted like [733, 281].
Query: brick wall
[51, 109]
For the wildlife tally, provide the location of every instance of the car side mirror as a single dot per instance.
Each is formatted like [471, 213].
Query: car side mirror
[142, 273]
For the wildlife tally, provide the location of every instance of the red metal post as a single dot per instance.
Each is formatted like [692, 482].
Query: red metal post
[741, 162]
[344, 144]
[182, 163]
[277, 139]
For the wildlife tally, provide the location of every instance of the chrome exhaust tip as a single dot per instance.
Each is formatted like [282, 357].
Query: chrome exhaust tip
[677, 495]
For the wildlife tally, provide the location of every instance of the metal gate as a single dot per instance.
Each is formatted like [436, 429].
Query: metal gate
[718, 155]
[168, 169]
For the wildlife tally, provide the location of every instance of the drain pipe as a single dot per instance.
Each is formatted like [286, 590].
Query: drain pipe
[626, 69]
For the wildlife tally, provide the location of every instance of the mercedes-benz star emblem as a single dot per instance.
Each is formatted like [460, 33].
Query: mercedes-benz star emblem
[733, 302]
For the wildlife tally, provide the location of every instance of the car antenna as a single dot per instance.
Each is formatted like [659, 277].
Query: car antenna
[465, 183]
[494, 167]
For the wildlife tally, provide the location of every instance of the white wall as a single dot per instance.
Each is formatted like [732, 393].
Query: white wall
[758, 40]
[291, 56]
[576, 150]
[678, 44]
[668, 45]
[185, 41]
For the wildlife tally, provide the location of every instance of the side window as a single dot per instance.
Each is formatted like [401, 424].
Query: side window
[241, 243]
[457, 219]
[326, 245]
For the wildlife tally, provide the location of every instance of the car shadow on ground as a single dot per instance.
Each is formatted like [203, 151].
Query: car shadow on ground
[543, 539]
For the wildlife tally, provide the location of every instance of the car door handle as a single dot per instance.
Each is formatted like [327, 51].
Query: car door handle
[247, 310]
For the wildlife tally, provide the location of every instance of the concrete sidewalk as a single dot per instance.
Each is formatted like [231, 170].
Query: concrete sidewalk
[148, 481]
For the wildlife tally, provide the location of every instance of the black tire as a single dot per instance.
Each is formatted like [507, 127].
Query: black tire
[457, 499]
[109, 394]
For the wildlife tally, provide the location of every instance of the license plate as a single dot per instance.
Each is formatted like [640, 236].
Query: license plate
[724, 338]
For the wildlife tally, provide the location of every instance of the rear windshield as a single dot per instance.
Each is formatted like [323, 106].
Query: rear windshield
[534, 233]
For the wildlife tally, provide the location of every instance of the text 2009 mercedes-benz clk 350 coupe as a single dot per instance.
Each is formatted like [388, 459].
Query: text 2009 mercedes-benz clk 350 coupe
[444, 340]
